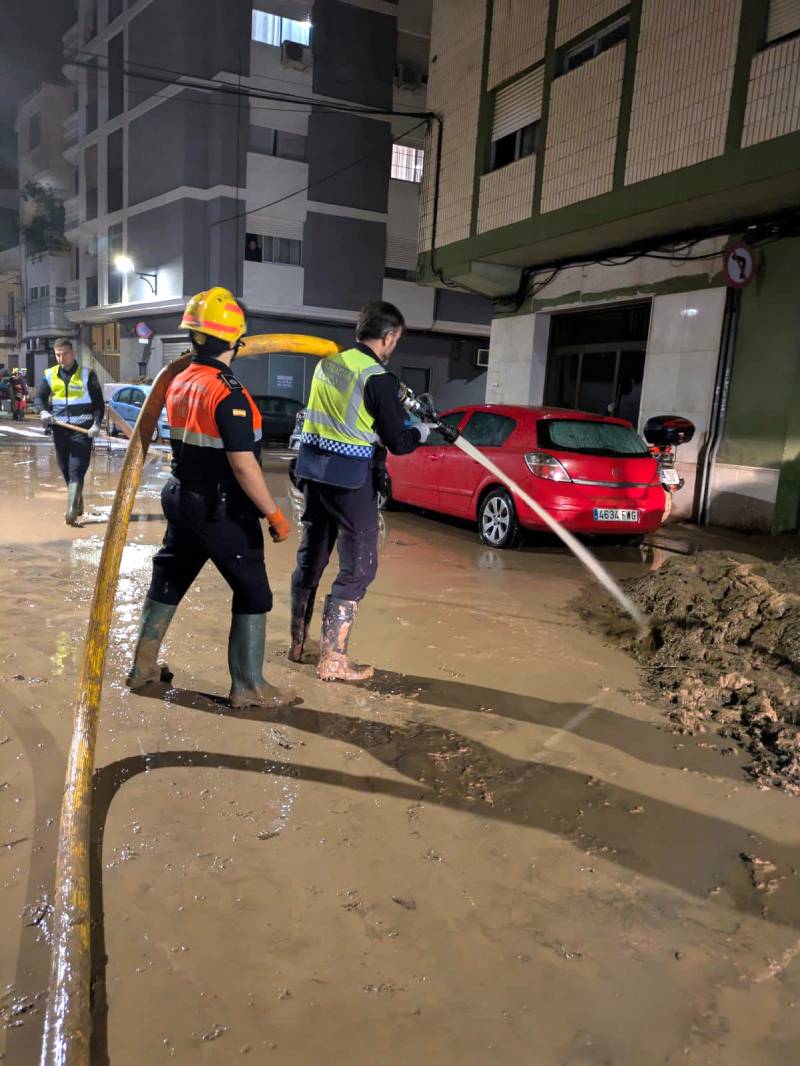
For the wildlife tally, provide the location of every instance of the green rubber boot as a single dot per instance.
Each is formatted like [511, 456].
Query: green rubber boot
[246, 645]
[79, 501]
[302, 611]
[146, 669]
[73, 498]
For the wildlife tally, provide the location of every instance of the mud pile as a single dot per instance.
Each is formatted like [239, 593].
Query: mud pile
[726, 653]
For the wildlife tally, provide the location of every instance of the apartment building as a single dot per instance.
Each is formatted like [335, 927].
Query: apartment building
[600, 160]
[46, 178]
[208, 151]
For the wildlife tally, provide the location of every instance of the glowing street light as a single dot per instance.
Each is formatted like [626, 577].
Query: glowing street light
[125, 265]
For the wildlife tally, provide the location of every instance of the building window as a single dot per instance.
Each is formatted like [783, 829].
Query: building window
[91, 291]
[114, 9]
[407, 163]
[284, 251]
[91, 96]
[114, 276]
[33, 292]
[61, 293]
[274, 30]
[783, 19]
[581, 53]
[515, 120]
[44, 292]
[34, 131]
[266, 141]
[514, 146]
[116, 80]
[114, 190]
[90, 177]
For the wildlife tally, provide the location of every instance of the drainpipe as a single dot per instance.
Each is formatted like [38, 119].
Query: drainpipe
[730, 328]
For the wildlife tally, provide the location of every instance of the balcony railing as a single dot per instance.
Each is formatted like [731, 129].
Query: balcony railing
[72, 129]
[47, 313]
[72, 212]
[7, 326]
[73, 298]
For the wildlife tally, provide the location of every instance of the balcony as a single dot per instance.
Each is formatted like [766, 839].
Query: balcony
[47, 314]
[7, 326]
[73, 298]
[72, 129]
[72, 213]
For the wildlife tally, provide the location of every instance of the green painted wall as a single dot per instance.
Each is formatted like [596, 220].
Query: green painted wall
[762, 427]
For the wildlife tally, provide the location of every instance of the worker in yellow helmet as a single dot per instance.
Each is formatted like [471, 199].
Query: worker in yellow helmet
[213, 503]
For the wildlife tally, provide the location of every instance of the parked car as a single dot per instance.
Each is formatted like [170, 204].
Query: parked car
[127, 402]
[278, 415]
[592, 473]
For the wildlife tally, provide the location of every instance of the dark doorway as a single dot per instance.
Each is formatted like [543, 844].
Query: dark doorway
[596, 360]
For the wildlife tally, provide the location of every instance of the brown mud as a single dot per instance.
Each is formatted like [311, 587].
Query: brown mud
[726, 654]
[489, 854]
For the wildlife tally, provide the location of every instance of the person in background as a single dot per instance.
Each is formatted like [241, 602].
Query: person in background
[70, 394]
[18, 390]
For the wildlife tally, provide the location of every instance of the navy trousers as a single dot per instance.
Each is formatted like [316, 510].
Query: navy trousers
[348, 519]
[73, 452]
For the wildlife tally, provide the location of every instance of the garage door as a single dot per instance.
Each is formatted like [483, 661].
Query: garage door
[171, 349]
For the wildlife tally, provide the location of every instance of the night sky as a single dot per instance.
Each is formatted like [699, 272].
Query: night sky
[30, 53]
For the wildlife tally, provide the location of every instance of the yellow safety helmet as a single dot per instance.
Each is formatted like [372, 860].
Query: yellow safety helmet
[216, 313]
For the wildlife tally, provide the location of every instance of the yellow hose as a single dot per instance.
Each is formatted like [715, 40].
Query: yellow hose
[68, 1019]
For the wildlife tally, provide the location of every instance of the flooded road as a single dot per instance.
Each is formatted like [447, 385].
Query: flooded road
[493, 853]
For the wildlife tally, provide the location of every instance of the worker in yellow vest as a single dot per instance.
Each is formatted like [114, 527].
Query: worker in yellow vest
[70, 394]
[354, 404]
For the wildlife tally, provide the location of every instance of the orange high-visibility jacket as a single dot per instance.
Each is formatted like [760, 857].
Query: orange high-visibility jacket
[192, 400]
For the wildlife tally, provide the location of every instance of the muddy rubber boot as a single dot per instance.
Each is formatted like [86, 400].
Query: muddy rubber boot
[246, 645]
[73, 494]
[146, 669]
[337, 621]
[302, 610]
[79, 501]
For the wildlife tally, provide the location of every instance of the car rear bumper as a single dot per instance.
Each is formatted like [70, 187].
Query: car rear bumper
[577, 515]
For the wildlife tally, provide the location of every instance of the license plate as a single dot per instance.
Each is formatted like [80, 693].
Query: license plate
[669, 476]
[614, 514]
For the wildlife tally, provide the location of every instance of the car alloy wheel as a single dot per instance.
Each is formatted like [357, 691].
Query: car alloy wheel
[498, 524]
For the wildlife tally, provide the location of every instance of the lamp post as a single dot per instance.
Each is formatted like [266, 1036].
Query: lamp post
[125, 265]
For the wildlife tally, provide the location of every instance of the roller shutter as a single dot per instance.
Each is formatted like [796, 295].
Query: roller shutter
[784, 18]
[519, 104]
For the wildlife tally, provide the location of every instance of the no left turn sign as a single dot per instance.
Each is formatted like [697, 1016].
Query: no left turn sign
[739, 265]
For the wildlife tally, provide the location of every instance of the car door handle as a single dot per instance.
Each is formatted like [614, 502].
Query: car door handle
[434, 458]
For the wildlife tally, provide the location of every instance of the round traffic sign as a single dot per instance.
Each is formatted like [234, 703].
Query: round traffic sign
[739, 265]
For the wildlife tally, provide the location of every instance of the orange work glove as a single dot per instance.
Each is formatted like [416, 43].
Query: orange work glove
[280, 527]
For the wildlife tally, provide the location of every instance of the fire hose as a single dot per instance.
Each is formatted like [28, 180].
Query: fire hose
[68, 1018]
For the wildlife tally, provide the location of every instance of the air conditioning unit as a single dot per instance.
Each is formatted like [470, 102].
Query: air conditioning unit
[482, 357]
[407, 76]
[295, 55]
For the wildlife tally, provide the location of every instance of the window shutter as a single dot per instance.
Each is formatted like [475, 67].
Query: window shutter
[401, 252]
[171, 349]
[784, 18]
[277, 227]
[518, 104]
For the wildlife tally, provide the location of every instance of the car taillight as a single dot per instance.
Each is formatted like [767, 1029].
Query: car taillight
[547, 466]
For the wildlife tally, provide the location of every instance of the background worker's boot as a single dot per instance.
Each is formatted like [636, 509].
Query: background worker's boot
[73, 496]
[146, 669]
[302, 610]
[246, 644]
[79, 501]
[337, 621]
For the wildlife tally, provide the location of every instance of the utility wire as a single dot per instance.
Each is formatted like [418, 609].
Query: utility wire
[169, 76]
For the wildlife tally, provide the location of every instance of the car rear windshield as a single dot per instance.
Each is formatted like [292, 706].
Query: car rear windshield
[590, 438]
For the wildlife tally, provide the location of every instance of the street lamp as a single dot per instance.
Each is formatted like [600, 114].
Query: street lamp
[125, 265]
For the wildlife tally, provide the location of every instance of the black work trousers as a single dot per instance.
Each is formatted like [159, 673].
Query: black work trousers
[73, 452]
[199, 529]
[347, 518]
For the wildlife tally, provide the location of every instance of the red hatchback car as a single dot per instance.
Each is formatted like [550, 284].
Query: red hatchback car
[592, 473]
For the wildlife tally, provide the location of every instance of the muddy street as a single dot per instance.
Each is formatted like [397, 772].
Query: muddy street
[494, 852]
